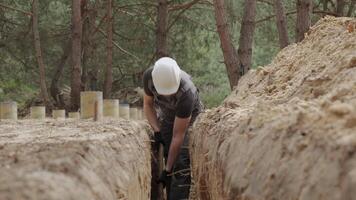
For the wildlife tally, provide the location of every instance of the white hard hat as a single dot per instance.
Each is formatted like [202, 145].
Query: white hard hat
[166, 76]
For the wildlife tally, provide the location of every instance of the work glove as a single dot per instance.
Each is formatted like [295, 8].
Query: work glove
[165, 178]
[158, 138]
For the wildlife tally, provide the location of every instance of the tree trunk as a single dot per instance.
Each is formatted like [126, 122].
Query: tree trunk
[229, 52]
[55, 91]
[161, 51]
[340, 5]
[246, 36]
[108, 72]
[37, 44]
[85, 49]
[88, 14]
[304, 10]
[161, 32]
[76, 54]
[89, 52]
[281, 21]
[325, 6]
[85, 44]
[351, 8]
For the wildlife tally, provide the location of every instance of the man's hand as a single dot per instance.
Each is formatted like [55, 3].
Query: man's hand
[165, 178]
[158, 138]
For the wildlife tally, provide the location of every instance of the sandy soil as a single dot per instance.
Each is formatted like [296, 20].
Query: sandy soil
[288, 131]
[74, 160]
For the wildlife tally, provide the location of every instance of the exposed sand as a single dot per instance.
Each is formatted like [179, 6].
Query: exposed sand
[74, 160]
[288, 131]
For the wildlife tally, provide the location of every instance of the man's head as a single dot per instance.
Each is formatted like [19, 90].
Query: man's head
[166, 76]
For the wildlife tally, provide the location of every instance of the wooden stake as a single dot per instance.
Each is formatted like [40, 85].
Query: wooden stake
[160, 169]
[97, 114]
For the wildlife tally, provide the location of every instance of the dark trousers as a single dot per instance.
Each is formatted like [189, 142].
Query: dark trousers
[179, 187]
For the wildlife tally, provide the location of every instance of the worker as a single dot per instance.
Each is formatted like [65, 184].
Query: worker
[171, 104]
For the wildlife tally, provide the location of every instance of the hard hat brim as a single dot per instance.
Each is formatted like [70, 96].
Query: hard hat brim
[167, 91]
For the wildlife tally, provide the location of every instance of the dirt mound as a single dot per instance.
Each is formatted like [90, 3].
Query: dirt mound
[288, 131]
[74, 160]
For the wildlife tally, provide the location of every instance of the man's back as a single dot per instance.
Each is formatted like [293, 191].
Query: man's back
[184, 103]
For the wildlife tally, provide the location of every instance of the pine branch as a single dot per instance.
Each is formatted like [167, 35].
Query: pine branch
[16, 9]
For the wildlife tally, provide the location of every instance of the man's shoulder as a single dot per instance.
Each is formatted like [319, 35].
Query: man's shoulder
[148, 73]
[187, 82]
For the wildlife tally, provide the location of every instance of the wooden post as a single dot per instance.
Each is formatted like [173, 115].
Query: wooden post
[38, 112]
[98, 116]
[59, 114]
[87, 104]
[111, 108]
[74, 115]
[124, 111]
[8, 110]
[160, 169]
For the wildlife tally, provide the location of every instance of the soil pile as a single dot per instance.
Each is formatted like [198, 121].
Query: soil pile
[288, 131]
[74, 160]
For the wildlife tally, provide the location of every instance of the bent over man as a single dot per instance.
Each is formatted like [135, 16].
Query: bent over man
[171, 104]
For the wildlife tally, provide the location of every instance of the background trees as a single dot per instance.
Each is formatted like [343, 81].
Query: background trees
[80, 50]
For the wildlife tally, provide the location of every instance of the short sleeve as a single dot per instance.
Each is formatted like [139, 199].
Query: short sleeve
[146, 78]
[185, 105]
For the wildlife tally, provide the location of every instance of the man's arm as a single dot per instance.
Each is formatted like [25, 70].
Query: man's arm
[150, 112]
[179, 130]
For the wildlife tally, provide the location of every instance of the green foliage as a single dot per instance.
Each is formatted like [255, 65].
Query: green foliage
[15, 91]
[192, 41]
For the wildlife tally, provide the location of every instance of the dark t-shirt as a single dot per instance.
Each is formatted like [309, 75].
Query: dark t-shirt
[186, 101]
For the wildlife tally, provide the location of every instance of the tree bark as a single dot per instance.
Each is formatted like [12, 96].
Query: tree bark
[85, 44]
[76, 54]
[304, 11]
[246, 36]
[161, 32]
[108, 71]
[281, 21]
[37, 44]
[229, 52]
[325, 6]
[351, 8]
[340, 5]
[54, 89]
[161, 51]
[86, 50]
[90, 57]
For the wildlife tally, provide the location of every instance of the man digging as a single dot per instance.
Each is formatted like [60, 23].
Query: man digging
[171, 104]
